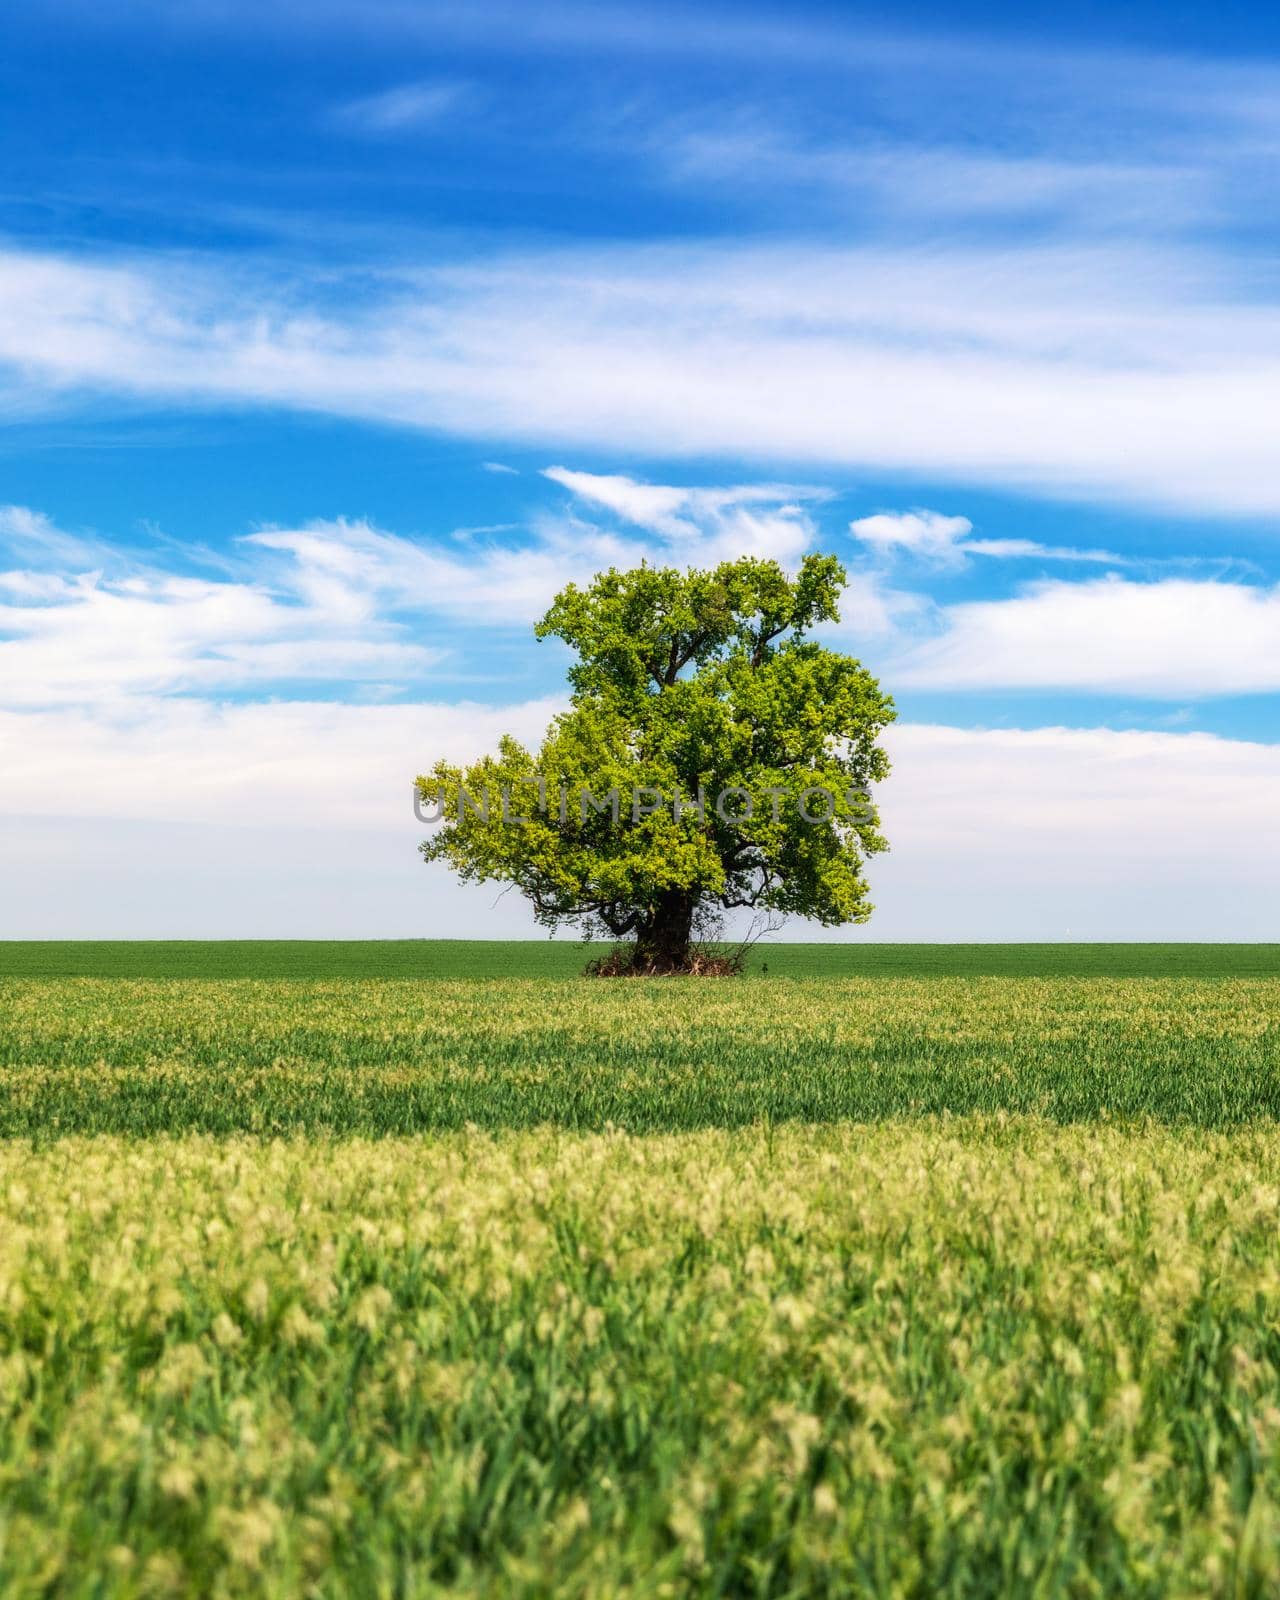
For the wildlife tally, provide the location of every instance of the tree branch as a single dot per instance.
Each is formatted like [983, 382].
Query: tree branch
[763, 640]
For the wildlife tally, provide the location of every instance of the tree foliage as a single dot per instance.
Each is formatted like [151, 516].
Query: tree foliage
[685, 685]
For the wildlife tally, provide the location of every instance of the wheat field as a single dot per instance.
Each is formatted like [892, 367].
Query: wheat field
[962, 1287]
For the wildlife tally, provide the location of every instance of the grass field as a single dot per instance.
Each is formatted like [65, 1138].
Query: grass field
[545, 958]
[875, 1285]
[918, 1359]
[658, 1055]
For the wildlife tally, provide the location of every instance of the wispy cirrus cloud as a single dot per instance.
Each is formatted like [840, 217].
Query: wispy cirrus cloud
[764, 519]
[946, 541]
[348, 605]
[35, 538]
[923, 181]
[1104, 374]
[404, 107]
[338, 603]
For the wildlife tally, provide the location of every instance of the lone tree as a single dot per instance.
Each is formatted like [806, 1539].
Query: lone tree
[713, 757]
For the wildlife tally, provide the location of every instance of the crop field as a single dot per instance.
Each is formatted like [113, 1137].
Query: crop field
[486, 959]
[875, 1285]
[149, 1057]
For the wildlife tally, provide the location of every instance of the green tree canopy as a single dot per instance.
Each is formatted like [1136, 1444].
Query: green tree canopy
[688, 687]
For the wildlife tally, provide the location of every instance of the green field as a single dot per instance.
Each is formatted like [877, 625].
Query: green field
[656, 1055]
[546, 958]
[919, 1359]
[915, 1282]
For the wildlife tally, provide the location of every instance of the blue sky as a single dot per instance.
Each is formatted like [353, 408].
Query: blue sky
[334, 338]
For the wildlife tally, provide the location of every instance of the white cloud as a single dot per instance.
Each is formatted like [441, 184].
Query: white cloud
[873, 610]
[504, 583]
[1080, 799]
[1017, 549]
[403, 107]
[95, 639]
[761, 519]
[929, 534]
[1100, 370]
[296, 820]
[648, 505]
[173, 818]
[77, 636]
[935, 181]
[1176, 639]
[944, 541]
[356, 565]
[32, 537]
[1083, 833]
[314, 763]
[113, 722]
[339, 600]
[19, 525]
[348, 603]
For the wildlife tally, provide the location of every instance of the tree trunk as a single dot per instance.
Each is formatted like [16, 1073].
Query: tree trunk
[662, 941]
